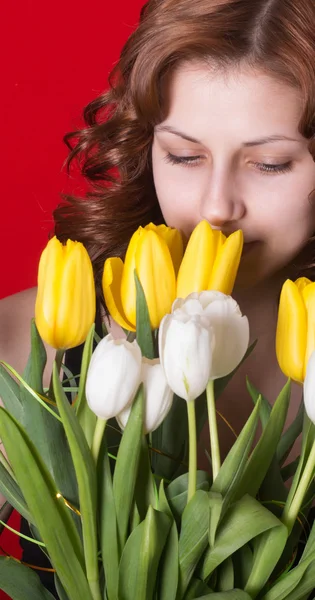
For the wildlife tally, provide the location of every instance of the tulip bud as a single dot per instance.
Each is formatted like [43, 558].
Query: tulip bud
[217, 263]
[295, 340]
[230, 328]
[65, 303]
[114, 376]
[152, 250]
[204, 338]
[158, 396]
[309, 388]
[185, 346]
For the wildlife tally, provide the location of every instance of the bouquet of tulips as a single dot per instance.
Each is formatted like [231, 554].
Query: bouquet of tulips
[104, 466]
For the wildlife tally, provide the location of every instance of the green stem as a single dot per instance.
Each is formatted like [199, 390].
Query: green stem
[95, 589]
[292, 510]
[58, 360]
[192, 473]
[98, 436]
[213, 430]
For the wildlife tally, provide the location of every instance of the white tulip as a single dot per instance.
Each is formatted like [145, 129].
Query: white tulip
[230, 327]
[309, 388]
[157, 393]
[185, 346]
[114, 376]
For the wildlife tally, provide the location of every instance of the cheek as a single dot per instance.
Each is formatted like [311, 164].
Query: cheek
[177, 192]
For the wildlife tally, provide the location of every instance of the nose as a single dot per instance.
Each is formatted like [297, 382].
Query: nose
[222, 203]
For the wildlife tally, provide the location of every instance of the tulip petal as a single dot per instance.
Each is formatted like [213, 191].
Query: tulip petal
[187, 356]
[291, 332]
[128, 286]
[114, 376]
[231, 332]
[158, 397]
[302, 282]
[76, 305]
[49, 273]
[111, 282]
[174, 241]
[308, 295]
[309, 388]
[156, 273]
[196, 266]
[226, 264]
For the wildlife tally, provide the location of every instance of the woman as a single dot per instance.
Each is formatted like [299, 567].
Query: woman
[210, 115]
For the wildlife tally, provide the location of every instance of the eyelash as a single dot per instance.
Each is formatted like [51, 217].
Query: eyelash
[193, 161]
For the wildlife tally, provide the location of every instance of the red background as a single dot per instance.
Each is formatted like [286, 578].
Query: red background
[55, 58]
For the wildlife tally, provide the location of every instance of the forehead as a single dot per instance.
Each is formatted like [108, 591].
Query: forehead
[200, 97]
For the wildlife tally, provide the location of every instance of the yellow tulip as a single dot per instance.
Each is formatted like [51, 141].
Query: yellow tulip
[155, 252]
[295, 338]
[65, 303]
[210, 261]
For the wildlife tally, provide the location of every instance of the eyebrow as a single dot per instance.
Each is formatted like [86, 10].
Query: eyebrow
[258, 142]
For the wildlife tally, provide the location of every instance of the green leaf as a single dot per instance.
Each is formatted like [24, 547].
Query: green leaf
[127, 463]
[226, 576]
[144, 333]
[243, 561]
[265, 407]
[193, 538]
[230, 595]
[141, 556]
[234, 465]
[307, 443]
[86, 477]
[290, 435]
[108, 526]
[21, 582]
[52, 517]
[176, 492]
[145, 495]
[196, 588]
[12, 493]
[296, 584]
[85, 415]
[10, 394]
[289, 470]
[44, 429]
[60, 591]
[168, 570]
[267, 552]
[263, 453]
[244, 521]
[216, 505]
[170, 445]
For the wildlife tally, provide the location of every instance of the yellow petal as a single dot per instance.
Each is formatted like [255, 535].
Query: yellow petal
[111, 282]
[308, 295]
[47, 299]
[226, 264]
[128, 286]
[195, 269]
[302, 282]
[291, 332]
[156, 272]
[174, 240]
[76, 307]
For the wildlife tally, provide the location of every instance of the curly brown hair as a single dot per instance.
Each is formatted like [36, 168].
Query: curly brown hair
[113, 151]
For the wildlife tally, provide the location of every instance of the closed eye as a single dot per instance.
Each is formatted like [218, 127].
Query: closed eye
[193, 161]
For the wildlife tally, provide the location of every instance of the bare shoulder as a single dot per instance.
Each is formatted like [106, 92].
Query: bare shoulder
[16, 313]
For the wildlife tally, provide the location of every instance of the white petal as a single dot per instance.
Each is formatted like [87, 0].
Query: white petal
[309, 388]
[231, 332]
[187, 356]
[114, 376]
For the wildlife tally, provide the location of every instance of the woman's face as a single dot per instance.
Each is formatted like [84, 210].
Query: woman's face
[245, 166]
